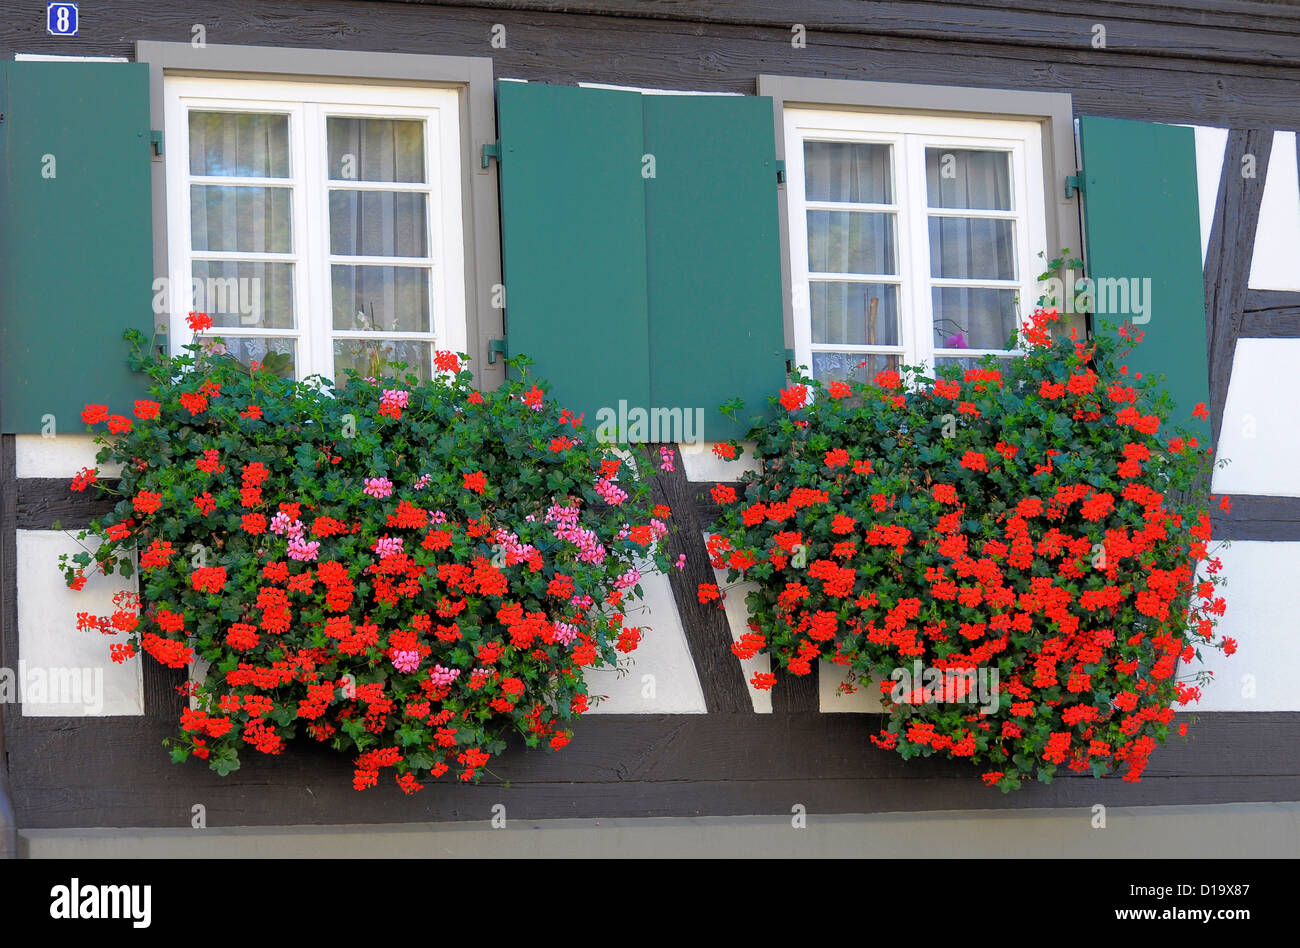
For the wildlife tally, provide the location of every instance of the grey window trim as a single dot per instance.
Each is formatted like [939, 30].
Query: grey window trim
[1053, 110]
[471, 75]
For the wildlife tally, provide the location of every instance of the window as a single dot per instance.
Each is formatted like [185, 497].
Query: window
[914, 239]
[319, 221]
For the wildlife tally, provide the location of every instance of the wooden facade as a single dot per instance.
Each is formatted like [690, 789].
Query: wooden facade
[1233, 65]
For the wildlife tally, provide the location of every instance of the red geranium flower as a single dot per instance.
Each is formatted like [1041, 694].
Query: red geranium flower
[793, 398]
[94, 414]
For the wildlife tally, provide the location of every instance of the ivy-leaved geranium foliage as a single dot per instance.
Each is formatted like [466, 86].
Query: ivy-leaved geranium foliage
[407, 571]
[1028, 534]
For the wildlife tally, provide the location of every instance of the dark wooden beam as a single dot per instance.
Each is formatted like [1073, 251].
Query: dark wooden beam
[1166, 31]
[114, 772]
[1270, 314]
[43, 502]
[973, 47]
[1256, 517]
[8, 636]
[707, 633]
[1227, 260]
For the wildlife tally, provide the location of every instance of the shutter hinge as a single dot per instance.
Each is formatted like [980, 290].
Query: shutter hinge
[490, 150]
[780, 171]
[496, 347]
[789, 360]
[1072, 184]
[156, 142]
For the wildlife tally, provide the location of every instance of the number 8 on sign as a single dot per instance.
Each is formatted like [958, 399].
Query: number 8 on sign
[61, 19]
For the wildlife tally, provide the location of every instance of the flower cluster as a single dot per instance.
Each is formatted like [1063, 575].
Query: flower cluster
[412, 592]
[1025, 517]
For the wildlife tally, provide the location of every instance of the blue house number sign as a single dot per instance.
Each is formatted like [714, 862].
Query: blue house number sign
[61, 18]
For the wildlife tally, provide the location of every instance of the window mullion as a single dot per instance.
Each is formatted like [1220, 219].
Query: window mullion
[798, 220]
[315, 316]
[921, 344]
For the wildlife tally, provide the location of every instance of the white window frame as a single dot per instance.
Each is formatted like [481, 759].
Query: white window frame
[910, 135]
[308, 105]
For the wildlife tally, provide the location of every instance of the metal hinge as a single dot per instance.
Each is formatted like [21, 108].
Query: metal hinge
[496, 347]
[789, 360]
[780, 171]
[490, 151]
[1072, 184]
[156, 142]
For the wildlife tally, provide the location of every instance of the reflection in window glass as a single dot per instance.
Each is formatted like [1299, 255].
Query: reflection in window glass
[369, 355]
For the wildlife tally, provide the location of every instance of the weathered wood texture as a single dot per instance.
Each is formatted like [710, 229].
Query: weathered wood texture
[707, 632]
[792, 693]
[1178, 63]
[1255, 33]
[1233, 311]
[1271, 314]
[49, 503]
[113, 772]
[1227, 260]
[8, 638]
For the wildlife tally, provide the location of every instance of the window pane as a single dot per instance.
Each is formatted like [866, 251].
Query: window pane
[255, 349]
[972, 318]
[972, 248]
[851, 242]
[967, 363]
[850, 366]
[233, 144]
[245, 293]
[847, 171]
[368, 357]
[375, 149]
[843, 313]
[392, 299]
[247, 219]
[973, 180]
[378, 224]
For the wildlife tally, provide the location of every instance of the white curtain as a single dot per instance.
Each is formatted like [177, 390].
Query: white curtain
[243, 145]
[375, 149]
[847, 171]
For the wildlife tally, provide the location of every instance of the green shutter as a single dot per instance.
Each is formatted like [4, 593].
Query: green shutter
[573, 241]
[1142, 220]
[713, 249]
[76, 249]
[641, 251]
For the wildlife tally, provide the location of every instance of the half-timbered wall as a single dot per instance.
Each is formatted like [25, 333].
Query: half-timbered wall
[702, 740]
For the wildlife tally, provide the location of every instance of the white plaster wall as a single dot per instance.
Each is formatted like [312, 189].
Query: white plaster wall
[662, 654]
[1276, 262]
[865, 700]
[738, 622]
[47, 628]
[60, 456]
[1211, 143]
[1260, 437]
[701, 464]
[1264, 674]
